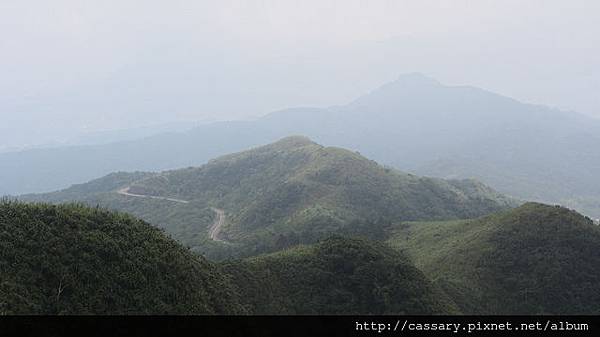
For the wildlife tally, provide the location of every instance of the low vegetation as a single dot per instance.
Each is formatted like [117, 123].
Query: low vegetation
[290, 192]
[536, 259]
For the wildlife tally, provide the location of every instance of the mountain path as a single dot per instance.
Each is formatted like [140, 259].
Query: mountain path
[125, 191]
[213, 231]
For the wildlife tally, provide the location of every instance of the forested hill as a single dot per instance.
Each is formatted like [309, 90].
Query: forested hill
[71, 259]
[336, 276]
[289, 192]
[535, 259]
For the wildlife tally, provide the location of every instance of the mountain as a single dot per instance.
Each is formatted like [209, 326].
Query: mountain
[72, 259]
[278, 195]
[415, 124]
[535, 259]
[336, 276]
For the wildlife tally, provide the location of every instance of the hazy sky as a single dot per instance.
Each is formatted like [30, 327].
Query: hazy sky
[74, 66]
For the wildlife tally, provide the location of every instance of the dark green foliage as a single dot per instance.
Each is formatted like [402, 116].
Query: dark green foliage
[71, 259]
[536, 259]
[336, 276]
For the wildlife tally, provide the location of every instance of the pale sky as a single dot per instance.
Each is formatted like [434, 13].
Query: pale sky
[75, 66]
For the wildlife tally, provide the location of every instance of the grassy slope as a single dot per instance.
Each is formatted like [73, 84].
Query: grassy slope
[72, 259]
[336, 276]
[296, 191]
[290, 192]
[534, 259]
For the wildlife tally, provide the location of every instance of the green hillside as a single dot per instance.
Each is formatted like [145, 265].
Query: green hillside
[336, 276]
[296, 191]
[187, 223]
[289, 192]
[72, 259]
[535, 259]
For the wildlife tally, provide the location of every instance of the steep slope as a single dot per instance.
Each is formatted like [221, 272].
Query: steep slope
[535, 259]
[414, 123]
[336, 276]
[75, 260]
[289, 192]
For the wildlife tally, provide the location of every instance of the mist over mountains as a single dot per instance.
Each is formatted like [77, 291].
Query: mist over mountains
[254, 160]
[415, 124]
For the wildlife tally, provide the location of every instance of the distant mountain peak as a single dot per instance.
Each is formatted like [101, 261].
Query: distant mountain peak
[405, 85]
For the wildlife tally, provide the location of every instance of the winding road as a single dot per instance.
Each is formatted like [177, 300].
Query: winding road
[213, 231]
[125, 191]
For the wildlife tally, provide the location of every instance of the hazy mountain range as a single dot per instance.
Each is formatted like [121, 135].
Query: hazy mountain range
[414, 123]
[312, 229]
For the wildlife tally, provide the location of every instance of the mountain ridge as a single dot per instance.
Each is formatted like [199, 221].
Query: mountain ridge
[416, 125]
[288, 192]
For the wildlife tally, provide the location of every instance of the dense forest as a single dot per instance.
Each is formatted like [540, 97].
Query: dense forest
[71, 259]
